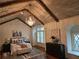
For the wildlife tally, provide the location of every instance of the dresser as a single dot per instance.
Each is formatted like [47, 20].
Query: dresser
[56, 50]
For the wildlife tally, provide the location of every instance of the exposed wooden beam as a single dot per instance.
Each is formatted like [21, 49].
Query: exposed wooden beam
[35, 16]
[11, 13]
[15, 19]
[6, 3]
[7, 21]
[19, 18]
[48, 10]
[24, 22]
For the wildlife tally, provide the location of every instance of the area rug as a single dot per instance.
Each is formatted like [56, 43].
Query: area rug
[34, 54]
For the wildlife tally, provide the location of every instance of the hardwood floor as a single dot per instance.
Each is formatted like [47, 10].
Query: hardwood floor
[23, 57]
[41, 56]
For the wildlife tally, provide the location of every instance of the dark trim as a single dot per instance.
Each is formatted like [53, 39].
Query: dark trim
[11, 13]
[24, 22]
[35, 16]
[12, 2]
[7, 21]
[15, 19]
[48, 10]
[19, 18]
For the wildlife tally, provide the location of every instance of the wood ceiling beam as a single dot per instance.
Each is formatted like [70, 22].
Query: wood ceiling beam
[35, 16]
[19, 18]
[7, 21]
[10, 13]
[24, 22]
[15, 19]
[48, 10]
[2, 4]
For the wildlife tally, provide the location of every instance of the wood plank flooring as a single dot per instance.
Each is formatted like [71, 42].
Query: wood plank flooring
[23, 57]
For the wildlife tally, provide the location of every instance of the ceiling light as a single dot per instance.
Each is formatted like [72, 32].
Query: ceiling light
[30, 21]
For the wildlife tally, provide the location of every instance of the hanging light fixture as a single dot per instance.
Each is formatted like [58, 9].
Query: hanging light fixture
[30, 21]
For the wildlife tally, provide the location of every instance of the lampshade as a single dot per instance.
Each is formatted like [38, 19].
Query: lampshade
[30, 21]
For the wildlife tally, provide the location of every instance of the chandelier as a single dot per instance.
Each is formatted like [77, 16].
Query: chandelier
[30, 21]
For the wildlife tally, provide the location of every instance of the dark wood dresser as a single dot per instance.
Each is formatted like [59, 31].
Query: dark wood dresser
[56, 50]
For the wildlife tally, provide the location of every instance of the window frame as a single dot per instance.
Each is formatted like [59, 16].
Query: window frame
[43, 35]
[69, 41]
[73, 41]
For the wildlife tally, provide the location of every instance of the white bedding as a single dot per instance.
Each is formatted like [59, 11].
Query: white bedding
[14, 48]
[17, 49]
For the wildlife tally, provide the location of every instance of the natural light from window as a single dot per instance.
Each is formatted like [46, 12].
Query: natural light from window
[40, 35]
[76, 42]
[73, 40]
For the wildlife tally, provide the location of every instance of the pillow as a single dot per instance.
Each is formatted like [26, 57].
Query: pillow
[23, 46]
[14, 40]
[27, 41]
[14, 48]
[29, 45]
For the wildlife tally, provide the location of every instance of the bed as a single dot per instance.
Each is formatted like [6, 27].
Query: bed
[20, 46]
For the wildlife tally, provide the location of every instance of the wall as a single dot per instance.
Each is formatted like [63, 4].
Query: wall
[52, 29]
[15, 25]
[59, 29]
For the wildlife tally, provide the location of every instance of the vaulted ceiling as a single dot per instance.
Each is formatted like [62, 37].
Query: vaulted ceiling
[44, 11]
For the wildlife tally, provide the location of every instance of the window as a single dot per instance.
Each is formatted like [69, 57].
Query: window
[40, 35]
[73, 40]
